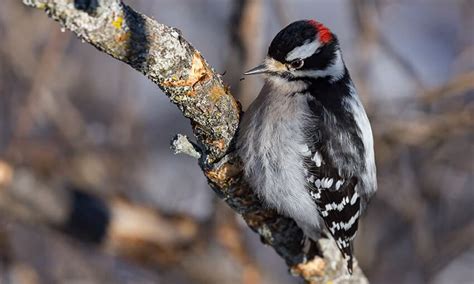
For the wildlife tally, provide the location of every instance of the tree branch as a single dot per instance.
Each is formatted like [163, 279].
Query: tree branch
[166, 58]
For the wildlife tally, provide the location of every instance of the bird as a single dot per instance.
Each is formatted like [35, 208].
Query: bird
[306, 142]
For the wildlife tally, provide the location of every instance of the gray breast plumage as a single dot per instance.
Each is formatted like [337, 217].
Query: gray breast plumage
[272, 145]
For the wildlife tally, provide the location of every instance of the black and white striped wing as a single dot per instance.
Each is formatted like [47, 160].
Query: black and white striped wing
[337, 200]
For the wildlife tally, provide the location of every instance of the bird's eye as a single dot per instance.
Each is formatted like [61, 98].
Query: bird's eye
[297, 64]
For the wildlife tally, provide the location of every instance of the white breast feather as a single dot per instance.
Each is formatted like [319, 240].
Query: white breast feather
[272, 147]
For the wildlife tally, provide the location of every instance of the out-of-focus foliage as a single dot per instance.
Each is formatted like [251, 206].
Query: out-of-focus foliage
[84, 143]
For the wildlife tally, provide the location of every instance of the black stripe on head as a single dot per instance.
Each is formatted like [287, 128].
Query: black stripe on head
[294, 35]
[323, 58]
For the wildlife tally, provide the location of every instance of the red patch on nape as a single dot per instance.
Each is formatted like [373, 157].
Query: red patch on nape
[325, 35]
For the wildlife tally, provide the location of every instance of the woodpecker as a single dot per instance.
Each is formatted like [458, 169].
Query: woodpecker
[306, 142]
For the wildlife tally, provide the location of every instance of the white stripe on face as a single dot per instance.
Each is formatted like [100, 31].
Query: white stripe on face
[335, 70]
[303, 51]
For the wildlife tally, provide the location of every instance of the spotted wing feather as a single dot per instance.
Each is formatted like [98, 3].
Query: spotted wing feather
[337, 199]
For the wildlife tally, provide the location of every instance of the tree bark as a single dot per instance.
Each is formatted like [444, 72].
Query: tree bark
[166, 58]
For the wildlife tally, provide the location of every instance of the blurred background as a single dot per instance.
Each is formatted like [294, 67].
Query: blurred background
[91, 193]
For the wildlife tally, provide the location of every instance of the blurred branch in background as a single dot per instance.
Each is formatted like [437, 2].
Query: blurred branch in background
[369, 40]
[116, 226]
[413, 157]
[49, 61]
[246, 30]
[458, 86]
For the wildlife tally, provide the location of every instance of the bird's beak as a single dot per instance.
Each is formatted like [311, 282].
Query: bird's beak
[257, 70]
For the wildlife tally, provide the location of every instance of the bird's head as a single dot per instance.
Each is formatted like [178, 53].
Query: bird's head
[302, 51]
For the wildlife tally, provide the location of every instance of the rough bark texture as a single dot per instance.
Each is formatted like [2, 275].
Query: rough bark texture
[165, 57]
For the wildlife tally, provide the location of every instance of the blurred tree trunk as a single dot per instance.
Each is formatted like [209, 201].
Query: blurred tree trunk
[166, 58]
